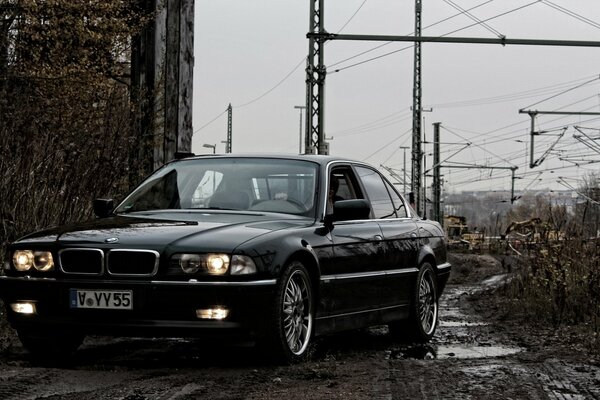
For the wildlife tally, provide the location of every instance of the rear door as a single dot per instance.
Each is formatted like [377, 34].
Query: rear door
[400, 245]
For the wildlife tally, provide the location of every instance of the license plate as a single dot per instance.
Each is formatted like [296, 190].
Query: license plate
[102, 299]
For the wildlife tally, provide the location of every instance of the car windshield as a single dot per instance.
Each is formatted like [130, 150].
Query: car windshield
[254, 184]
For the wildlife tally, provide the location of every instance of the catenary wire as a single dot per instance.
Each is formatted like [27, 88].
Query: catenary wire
[446, 34]
[388, 43]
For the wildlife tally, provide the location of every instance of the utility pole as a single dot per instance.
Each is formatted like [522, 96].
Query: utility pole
[315, 81]
[315, 76]
[533, 132]
[300, 133]
[229, 128]
[415, 181]
[437, 186]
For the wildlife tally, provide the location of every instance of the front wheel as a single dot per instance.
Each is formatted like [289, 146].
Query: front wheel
[291, 324]
[423, 315]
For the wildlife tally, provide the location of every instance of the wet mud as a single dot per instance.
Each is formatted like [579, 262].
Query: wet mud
[472, 356]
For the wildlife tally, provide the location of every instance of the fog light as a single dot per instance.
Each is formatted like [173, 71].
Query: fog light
[218, 313]
[23, 308]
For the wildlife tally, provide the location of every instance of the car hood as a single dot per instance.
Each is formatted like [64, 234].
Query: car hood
[198, 231]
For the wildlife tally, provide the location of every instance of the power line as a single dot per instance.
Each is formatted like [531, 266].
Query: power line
[387, 43]
[210, 122]
[474, 18]
[571, 13]
[303, 61]
[507, 97]
[563, 92]
[352, 17]
[446, 34]
[388, 144]
[383, 122]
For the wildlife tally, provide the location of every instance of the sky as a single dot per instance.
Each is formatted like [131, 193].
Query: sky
[252, 54]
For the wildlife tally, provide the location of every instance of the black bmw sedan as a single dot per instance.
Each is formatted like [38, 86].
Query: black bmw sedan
[278, 249]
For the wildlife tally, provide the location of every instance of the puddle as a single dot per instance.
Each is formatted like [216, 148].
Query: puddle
[430, 352]
[495, 280]
[475, 351]
[460, 324]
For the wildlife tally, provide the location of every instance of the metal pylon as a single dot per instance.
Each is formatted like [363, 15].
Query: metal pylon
[415, 182]
[315, 83]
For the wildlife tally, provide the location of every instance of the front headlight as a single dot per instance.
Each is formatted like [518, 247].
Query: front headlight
[217, 264]
[211, 264]
[190, 263]
[242, 265]
[43, 261]
[23, 260]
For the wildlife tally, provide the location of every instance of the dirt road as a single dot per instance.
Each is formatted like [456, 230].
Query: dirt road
[471, 357]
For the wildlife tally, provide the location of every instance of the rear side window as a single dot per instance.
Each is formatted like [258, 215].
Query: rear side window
[381, 203]
[398, 202]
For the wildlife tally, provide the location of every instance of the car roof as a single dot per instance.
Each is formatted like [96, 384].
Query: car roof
[316, 158]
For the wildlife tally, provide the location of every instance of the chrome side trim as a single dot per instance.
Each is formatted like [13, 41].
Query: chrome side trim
[266, 282]
[370, 274]
[444, 266]
[26, 278]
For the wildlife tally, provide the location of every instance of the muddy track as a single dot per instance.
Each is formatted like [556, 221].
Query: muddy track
[469, 358]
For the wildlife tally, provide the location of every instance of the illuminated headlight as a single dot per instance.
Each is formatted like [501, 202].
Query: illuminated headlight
[217, 264]
[242, 265]
[23, 260]
[212, 264]
[43, 261]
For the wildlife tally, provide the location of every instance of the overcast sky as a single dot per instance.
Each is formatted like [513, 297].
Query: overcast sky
[251, 54]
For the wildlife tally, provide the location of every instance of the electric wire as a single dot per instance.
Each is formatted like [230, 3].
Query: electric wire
[389, 120]
[474, 18]
[509, 96]
[211, 121]
[387, 43]
[446, 34]
[303, 61]
[278, 83]
[571, 13]
[352, 17]
[388, 144]
[563, 92]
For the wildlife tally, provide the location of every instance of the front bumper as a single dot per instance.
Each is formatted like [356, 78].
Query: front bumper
[160, 308]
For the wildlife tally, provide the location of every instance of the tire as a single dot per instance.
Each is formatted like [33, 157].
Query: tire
[292, 317]
[423, 315]
[45, 345]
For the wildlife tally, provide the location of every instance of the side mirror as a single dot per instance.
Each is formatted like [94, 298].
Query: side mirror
[103, 207]
[346, 210]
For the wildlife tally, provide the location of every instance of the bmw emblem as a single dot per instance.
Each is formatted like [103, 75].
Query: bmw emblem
[111, 240]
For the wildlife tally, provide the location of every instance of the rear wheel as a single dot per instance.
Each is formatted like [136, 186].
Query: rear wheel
[49, 344]
[423, 316]
[291, 324]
